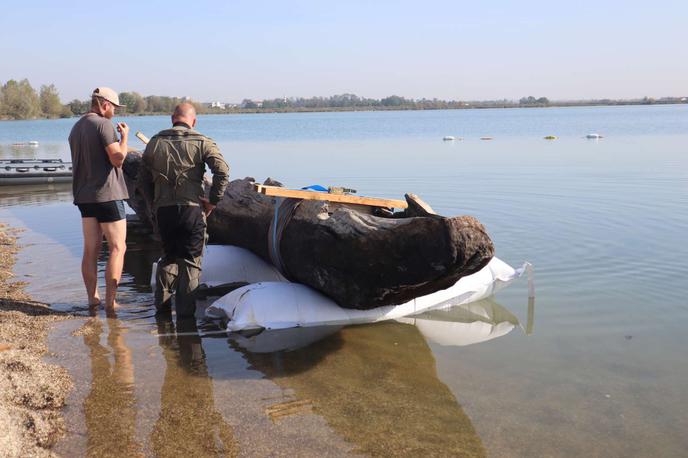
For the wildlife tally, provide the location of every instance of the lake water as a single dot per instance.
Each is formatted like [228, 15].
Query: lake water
[595, 367]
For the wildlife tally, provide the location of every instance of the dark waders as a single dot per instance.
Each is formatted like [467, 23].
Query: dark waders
[182, 229]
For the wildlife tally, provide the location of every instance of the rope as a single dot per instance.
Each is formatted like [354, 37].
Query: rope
[284, 212]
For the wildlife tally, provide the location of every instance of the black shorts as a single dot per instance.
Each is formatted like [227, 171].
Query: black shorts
[104, 212]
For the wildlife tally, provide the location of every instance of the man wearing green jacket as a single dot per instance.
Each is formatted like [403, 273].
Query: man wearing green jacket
[172, 177]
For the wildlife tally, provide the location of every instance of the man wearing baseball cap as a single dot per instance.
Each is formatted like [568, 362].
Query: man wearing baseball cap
[100, 190]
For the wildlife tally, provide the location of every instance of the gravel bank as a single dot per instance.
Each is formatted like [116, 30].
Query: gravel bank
[32, 392]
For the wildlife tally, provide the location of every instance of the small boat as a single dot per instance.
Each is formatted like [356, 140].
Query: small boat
[34, 171]
[551, 137]
[486, 138]
[594, 136]
[448, 138]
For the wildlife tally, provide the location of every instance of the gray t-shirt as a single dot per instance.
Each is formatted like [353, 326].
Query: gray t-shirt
[95, 179]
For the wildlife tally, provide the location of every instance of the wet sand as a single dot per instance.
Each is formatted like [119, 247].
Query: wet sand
[32, 392]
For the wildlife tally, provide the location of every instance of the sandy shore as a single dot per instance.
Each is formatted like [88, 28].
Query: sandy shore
[32, 392]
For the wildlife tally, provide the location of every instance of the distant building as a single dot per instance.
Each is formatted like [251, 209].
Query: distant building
[219, 105]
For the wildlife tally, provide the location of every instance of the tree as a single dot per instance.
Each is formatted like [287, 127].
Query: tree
[530, 100]
[134, 101]
[154, 103]
[66, 112]
[79, 107]
[50, 101]
[394, 101]
[158, 104]
[18, 100]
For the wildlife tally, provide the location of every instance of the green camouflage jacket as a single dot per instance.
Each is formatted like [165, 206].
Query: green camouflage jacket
[173, 167]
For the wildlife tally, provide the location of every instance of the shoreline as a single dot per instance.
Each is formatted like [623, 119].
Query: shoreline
[32, 392]
[240, 111]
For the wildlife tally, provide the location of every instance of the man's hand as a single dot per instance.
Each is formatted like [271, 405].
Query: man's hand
[207, 206]
[118, 151]
[123, 129]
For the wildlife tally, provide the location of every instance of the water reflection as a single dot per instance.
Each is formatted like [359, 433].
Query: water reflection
[110, 407]
[40, 151]
[377, 386]
[39, 194]
[142, 252]
[189, 424]
[281, 339]
[461, 325]
[470, 323]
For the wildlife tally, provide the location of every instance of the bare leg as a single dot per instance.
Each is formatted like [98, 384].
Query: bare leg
[116, 235]
[93, 240]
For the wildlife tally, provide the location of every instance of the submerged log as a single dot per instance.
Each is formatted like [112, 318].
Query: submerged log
[359, 260]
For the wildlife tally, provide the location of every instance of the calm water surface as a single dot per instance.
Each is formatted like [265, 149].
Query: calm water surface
[595, 367]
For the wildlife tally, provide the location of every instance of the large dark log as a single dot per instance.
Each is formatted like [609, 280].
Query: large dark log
[359, 260]
[136, 201]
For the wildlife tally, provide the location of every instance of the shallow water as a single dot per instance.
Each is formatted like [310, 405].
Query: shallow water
[601, 370]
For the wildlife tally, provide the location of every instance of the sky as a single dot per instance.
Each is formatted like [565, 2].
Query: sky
[454, 50]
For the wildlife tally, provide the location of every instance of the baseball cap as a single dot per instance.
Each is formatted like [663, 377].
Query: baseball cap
[108, 94]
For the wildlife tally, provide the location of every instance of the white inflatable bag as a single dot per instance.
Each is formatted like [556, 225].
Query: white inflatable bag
[224, 264]
[280, 305]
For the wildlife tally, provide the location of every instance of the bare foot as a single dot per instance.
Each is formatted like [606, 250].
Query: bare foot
[94, 301]
[110, 310]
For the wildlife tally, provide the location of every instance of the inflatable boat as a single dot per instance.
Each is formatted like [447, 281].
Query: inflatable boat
[34, 171]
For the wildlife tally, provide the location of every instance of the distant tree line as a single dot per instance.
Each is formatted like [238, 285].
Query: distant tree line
[395, 102]
[18, 100]
[135, 103]
[531, 101]
[347, 101]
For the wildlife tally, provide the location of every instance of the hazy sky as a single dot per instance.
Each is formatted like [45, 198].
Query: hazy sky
[464, 50]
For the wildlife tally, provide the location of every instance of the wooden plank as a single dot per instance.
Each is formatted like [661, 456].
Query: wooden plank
[277, 191]
[142, 137]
